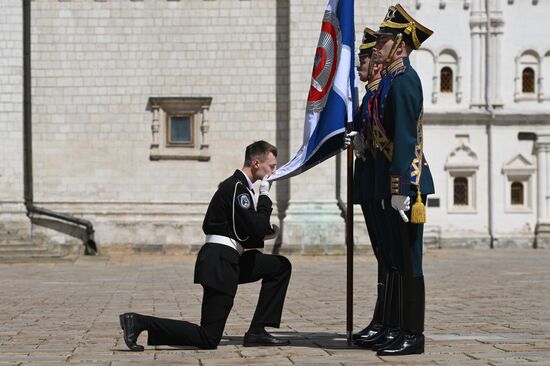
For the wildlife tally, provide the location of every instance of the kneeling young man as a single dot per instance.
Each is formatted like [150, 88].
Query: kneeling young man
[234, 226]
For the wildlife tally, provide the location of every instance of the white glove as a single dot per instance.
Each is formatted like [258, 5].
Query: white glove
[401, 204]
[348, 137]
[264, 186]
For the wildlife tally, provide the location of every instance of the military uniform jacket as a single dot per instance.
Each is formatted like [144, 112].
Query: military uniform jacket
[231, 213]
[363, 176]
[400, 165]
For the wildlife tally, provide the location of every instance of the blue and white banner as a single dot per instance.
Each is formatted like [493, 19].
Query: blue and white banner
[332, 94]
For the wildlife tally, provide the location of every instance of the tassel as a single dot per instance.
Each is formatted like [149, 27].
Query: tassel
[418, 214]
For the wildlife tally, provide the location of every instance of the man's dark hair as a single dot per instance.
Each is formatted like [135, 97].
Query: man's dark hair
[258, 150]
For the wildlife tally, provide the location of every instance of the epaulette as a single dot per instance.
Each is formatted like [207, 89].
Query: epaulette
[373, 85]
[397, 67]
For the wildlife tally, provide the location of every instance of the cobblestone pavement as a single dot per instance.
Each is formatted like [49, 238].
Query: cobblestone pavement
[484, 307]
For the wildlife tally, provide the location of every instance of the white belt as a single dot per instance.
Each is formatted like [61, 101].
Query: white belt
[224, 240]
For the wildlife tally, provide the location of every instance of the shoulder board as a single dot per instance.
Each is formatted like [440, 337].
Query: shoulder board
[399, 71]
[397, 67]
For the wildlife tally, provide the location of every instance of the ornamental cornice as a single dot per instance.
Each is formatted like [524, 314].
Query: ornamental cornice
[483, 119]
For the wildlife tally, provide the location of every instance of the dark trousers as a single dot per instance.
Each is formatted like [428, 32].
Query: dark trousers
[273, 270]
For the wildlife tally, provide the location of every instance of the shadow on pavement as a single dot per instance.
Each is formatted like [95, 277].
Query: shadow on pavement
[297, 339]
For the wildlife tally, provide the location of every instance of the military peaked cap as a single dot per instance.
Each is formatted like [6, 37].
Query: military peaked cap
[368, 42]
[397, 21]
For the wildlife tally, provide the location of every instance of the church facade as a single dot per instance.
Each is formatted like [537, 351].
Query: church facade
[140, 108]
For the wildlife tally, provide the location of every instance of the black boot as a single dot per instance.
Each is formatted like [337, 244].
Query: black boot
[368, 332]
[389, 336]
[412, 340]
[377, 322]
[406, 344]
[132, 325]
[389, 315]
[396, 315]
[414, 303]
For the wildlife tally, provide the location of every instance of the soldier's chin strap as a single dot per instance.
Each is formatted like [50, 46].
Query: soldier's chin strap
[398, 40]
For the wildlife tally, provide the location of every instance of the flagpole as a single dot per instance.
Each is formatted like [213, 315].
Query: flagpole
[349, 244]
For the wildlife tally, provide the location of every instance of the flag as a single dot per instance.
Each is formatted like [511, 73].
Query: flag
[332, 94]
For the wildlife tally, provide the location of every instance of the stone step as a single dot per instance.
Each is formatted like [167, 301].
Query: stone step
[28, 252]
[6, 241]
[36, 258]
[22, 251]
[19, 246]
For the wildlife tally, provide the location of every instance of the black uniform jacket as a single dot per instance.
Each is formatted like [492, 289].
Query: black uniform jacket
[231, 213]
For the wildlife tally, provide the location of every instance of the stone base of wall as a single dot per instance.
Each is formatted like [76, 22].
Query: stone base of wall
[15, 227]
[543, 235]
[308, 229]
[186, 250]
[482, 241]
[310, 224]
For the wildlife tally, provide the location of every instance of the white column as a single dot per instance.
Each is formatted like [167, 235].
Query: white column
[542, 231]
[542, 213]
[517, 81]
[476, 67]
[541, 85]
[155, 132]
[435, 86]
[205, 127]
[497, 23]
[478, 26]
[458, 84]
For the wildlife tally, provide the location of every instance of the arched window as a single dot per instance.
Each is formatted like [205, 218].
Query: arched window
[528, 80]
[516, 193]
[460, 187]
[446, 80]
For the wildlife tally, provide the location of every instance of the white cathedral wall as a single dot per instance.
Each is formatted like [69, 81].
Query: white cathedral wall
[513, 226]
[522, 32]
[457, 227]
[451, 36]
[95, 64]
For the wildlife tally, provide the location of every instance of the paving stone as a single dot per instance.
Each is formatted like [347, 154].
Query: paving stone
[483, 307]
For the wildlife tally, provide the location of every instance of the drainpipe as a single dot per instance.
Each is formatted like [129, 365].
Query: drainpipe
[491, 112]
[32, 210]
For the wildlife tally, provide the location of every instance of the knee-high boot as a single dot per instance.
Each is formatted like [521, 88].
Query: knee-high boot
[377, 322]
[378, 315]
[411, 340]
[395, 316]
[390, 313]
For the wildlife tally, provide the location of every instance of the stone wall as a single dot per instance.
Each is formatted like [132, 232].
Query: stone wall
[96, 64]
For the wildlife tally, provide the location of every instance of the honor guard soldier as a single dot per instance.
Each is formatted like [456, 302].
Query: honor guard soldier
[401, 175]
[363, 177]
[234, 225]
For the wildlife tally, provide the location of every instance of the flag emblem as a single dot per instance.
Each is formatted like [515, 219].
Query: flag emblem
[325, 63]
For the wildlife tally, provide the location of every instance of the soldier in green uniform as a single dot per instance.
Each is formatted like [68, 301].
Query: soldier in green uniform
[401, 176]
[369, 73]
